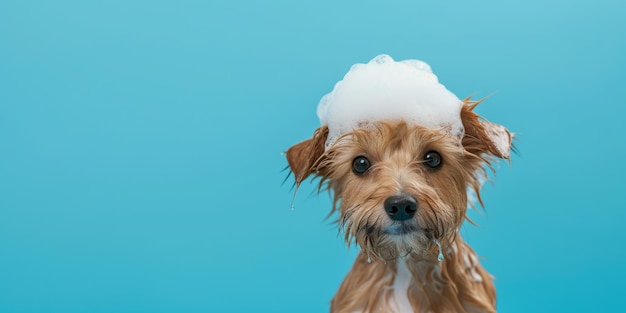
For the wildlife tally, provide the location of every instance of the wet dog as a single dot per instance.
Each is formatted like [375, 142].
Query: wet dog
[401, 191]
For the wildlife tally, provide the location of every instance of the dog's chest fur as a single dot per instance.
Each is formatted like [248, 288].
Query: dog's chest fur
[400, 288]
[415, 285]
[399, 300]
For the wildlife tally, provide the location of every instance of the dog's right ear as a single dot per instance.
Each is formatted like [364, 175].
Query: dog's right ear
[304, 157]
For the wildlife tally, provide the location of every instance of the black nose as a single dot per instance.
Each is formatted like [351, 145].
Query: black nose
[401, 207]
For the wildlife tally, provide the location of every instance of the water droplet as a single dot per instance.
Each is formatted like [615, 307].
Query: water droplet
[293, 200]
[440, 255]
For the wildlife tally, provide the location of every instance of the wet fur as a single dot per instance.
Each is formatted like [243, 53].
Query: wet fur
[396, 151]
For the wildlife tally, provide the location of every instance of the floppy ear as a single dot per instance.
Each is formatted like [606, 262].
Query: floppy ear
[304, 157]
[482, 136]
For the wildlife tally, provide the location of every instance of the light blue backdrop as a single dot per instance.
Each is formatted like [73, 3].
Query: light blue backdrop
[140, 141]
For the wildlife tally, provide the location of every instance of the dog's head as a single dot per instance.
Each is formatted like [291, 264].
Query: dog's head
[398, 187]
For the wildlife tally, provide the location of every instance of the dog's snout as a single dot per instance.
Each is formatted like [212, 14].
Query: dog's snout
[401, 207]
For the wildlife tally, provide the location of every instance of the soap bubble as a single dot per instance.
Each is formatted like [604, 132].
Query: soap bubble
[384, 89]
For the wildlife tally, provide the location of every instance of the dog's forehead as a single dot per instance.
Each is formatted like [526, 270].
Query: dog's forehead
[387, 137]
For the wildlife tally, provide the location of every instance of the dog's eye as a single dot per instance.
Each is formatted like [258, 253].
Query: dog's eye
[433, 159]
[360, 165]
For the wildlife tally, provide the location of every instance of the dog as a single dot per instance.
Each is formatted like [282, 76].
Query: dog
[401, 191]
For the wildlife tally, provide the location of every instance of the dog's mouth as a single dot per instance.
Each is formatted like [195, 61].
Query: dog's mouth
[400, 229]
[394, 239]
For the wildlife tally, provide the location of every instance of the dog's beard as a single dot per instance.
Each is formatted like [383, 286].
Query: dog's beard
[388, 247]
[383, 239]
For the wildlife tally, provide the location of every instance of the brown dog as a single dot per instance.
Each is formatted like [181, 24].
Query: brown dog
[401, 191]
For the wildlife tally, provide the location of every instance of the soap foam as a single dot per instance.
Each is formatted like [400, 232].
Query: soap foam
[384, 89]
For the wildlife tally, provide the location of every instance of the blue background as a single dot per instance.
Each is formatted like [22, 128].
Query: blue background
[140, 141]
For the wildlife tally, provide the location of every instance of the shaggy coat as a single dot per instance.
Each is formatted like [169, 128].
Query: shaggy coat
[397, 269]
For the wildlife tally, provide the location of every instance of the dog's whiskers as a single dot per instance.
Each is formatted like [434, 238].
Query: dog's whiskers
[346, 224]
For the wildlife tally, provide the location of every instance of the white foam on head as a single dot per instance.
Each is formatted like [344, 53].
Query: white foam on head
[384, 89]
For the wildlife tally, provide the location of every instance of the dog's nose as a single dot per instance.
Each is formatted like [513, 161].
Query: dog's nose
[401, 207]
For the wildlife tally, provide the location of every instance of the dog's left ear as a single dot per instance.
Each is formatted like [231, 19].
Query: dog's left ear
[304, 157]
[482, 136]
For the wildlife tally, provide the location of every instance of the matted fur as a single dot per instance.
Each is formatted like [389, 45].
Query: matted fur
[396, 151]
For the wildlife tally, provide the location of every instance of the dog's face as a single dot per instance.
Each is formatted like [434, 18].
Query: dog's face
[399, 187]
